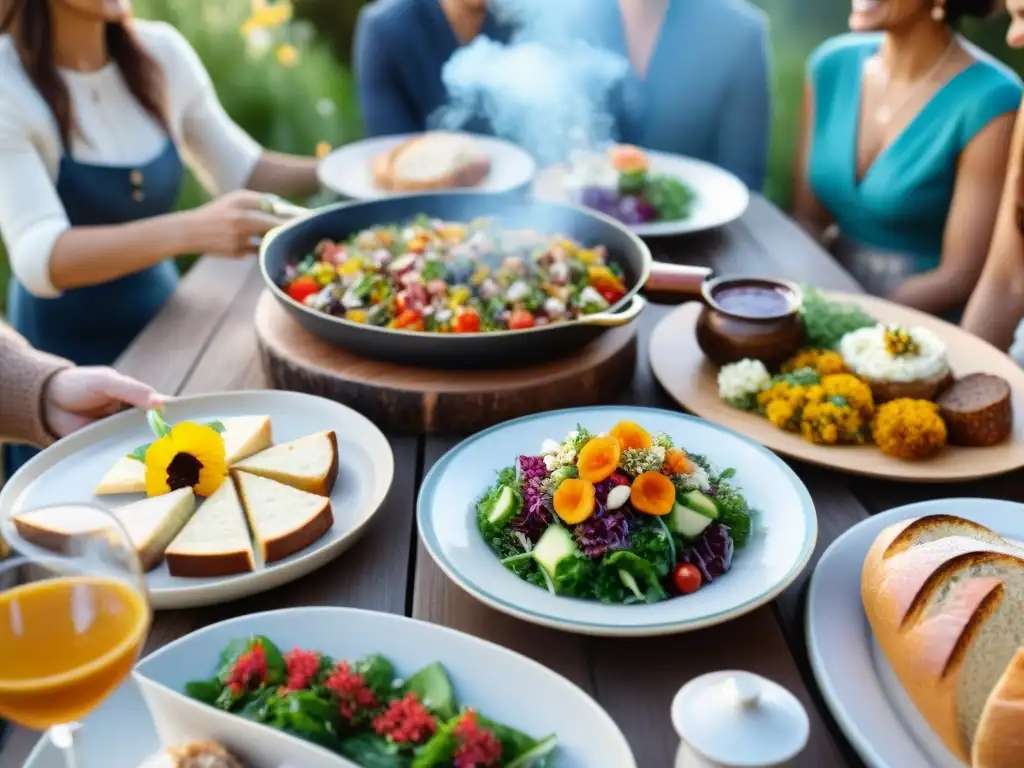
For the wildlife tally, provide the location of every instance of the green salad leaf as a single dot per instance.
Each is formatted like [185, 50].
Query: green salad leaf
[827, 321]
[671, 197]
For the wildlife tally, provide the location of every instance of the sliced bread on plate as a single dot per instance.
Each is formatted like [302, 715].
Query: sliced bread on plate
[126, 476]
[945, 601]
[435, 160]
[283, 519]
[216, 540]
[150, 524]
[244, 436]
[309, 463]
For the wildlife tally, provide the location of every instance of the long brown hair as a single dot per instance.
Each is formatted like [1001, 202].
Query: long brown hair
[30, 24]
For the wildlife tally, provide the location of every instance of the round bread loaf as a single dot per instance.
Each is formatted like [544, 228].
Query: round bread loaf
[977, 410]
[436, 160]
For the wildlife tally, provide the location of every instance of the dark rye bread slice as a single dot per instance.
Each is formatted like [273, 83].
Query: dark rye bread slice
[978, 410]
[947, 614]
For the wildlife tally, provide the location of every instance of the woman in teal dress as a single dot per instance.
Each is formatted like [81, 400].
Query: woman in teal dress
[904, 145]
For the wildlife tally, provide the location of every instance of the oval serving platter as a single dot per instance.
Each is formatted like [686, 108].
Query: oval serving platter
[721, 197]
[785, 526]
[856, 681]
[691, 380]
[347, 171]
[69, 470]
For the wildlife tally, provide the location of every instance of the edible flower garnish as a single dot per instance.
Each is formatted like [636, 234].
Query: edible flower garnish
[899, 342]
[187, 455]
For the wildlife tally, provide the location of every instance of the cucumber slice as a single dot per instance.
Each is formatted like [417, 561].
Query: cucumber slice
[687, 522]
[629, 582]
[536, 756]
[506, 506]
[701, 503]
[554, 545]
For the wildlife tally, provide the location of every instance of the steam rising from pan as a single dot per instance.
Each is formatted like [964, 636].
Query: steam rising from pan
[547, 90]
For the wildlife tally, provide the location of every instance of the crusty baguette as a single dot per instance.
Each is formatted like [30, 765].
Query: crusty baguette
[215, 542]
[943, 597]
[283, 519]
[309, 463]
[126, 476]
[435, 160]
[999, 740]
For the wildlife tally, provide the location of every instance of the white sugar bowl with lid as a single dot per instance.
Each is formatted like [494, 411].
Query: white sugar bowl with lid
[735, 719]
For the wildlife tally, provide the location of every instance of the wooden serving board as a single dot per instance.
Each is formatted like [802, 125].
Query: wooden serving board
[421, 401]
[692, 381]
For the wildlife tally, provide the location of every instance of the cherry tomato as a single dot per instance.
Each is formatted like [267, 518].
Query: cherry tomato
[611, 295]
[687, 578]
[302, 287]
[466, 321]
[520, 319]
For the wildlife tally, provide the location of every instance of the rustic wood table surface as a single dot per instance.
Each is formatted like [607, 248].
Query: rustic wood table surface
[203, 341]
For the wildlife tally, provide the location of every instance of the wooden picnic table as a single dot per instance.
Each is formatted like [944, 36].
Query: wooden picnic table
[203, 341]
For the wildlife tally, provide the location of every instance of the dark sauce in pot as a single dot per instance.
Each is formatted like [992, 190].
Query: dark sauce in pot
[751, 300]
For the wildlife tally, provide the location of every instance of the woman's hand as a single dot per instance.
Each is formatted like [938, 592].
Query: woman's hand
[232, 225]
[76, 397]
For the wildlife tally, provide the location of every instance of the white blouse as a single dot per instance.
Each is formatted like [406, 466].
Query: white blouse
[112, 129]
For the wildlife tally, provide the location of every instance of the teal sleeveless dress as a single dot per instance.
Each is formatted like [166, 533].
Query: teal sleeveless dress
[901, 203]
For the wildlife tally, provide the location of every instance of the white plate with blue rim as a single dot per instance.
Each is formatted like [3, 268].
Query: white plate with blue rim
[785, 526]
[348, 170]
[502, 685]
[857, 683]
[69, 470]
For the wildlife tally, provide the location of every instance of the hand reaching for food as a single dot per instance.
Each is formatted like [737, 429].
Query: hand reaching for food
[233, 225]
[75, 397]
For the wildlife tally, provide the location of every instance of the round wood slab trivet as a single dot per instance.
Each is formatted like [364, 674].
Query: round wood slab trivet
[409, 400]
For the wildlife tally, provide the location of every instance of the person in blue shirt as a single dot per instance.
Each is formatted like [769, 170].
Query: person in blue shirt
[401, 47]
[698, 83]
[905, 136]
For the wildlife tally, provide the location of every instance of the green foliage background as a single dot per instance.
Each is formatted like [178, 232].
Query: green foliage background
[279, 105]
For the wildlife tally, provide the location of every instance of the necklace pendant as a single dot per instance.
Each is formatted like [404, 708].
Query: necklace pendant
[883, 115]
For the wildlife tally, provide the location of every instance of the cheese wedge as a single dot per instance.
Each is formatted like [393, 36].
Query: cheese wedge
[216, 540]
[244, 436]
[151, 524]
[283, 519]
[309, 463]
[126, 476]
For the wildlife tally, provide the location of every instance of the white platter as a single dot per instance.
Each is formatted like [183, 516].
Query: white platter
[721, 196]
[785, 529]
[69, 470]
[500, 684]
[347, 170]
[856, 682]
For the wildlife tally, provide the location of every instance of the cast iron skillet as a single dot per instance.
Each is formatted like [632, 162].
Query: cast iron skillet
[495, 349]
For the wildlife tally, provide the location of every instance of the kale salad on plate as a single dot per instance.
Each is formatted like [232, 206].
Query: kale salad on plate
[624, 517]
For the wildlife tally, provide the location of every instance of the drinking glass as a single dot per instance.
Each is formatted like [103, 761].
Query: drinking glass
[74, 614]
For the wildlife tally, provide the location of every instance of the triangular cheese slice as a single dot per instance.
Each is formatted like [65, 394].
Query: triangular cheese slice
[153, 523]
[150, 524]
[216, 540]
[126, 476]
[244, 436]
[283, 519]
[309, 463]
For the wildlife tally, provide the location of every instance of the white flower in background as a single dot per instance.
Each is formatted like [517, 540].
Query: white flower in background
[259, 42]
[739, 383]
[325, 107]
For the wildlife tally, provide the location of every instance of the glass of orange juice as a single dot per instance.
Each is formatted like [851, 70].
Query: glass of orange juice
[74, 614]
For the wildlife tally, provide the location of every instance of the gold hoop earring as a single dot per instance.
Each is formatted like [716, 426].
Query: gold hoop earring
[938, 12]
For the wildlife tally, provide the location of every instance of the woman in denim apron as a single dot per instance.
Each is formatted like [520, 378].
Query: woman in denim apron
[96, 113]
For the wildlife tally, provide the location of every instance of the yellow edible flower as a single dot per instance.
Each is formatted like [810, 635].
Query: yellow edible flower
[909, 429]
[852, 389]
[823, 361]
[323, 149]
[356, 316]
[899, 342]
[287, 55]
[323, 273]
[830, 422]
[189, 456]
[459, 296]
[350, 266]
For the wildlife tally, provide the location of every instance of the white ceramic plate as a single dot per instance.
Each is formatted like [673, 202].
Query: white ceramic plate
[785, 529]
[721, 197]
[69, 470]
[502, 685]
[347, 170]
[858, 685]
